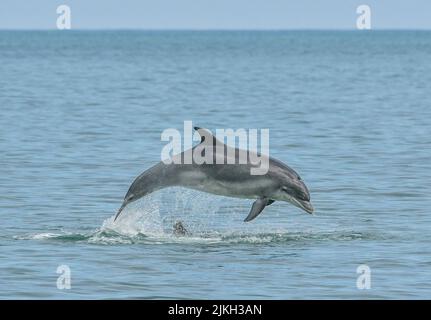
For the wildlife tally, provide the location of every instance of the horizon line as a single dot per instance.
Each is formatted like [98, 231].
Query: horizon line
[216, 29]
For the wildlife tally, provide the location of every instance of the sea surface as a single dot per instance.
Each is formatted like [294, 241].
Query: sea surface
[81, 115]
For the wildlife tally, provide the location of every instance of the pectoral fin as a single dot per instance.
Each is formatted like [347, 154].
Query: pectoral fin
[257, 208]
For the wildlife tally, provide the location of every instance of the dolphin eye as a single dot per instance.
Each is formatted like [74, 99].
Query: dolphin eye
[284, 189]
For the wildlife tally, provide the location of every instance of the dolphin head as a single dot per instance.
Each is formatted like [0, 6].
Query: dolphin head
[292, 189]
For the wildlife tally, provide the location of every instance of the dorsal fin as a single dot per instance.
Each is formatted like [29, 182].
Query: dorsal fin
[207, 136]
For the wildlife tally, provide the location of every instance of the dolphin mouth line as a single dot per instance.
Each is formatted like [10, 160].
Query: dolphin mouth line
[304, 205]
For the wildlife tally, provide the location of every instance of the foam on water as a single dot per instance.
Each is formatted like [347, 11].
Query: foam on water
[108, 236]
[149, 221]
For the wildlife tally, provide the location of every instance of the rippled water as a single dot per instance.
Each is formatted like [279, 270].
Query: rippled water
[81, 116]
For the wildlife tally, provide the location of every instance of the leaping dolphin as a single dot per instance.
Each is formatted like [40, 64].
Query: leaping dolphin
[280, 183]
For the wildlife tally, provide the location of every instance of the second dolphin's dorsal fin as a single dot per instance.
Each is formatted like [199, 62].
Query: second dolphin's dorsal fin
[207, 136]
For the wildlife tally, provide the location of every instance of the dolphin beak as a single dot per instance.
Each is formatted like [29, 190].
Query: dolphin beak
[304, 205]
[307, 206]
[302, 198]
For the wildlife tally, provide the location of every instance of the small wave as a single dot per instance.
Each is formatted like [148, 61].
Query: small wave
[144, 225]
[296, 237]
[110, 237]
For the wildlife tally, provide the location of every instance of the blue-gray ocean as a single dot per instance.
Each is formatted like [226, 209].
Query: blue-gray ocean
[81, 114]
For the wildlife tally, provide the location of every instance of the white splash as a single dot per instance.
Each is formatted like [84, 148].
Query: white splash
[142, 219]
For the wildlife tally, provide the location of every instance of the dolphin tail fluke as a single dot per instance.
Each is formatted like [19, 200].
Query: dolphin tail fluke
[119, 211]
[257, 208]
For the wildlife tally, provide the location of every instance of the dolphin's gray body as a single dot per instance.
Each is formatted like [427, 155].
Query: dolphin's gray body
[234, 180]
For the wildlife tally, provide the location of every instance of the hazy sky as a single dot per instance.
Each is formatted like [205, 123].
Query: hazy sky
[215, 14]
